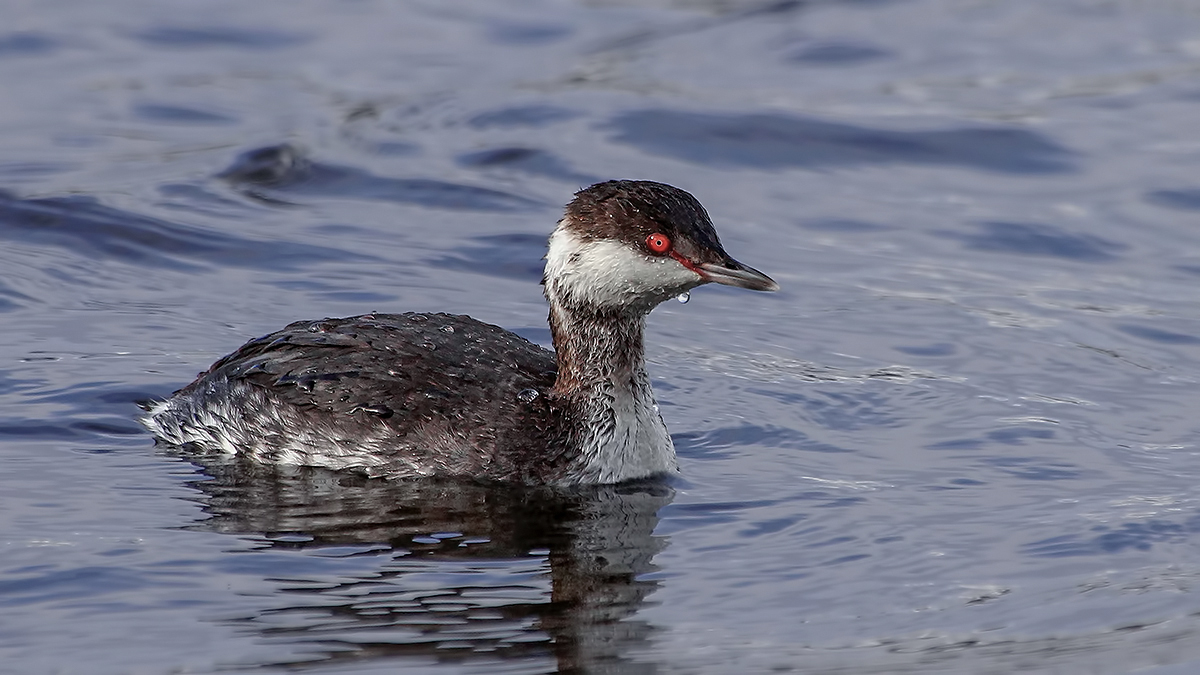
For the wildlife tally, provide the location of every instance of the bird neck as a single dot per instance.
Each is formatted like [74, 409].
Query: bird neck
[602, 378]
[597, 349]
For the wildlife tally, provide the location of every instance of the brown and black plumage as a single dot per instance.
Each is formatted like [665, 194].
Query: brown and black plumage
[409, 395]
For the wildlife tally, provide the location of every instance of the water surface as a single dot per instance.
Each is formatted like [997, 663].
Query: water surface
[961, 439]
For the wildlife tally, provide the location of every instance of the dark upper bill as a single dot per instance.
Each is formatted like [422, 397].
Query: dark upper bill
[734, 273]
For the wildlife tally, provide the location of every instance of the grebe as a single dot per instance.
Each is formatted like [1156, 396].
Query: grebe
[410, 395]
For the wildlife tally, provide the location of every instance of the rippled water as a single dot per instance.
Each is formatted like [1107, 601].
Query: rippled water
[961, 439]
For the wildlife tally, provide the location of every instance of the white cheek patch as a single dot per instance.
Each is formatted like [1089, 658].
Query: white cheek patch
[605, 273]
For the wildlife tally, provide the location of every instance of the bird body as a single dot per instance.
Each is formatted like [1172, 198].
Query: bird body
[414, 395]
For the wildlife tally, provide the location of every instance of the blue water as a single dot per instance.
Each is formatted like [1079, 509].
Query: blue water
[962, 439]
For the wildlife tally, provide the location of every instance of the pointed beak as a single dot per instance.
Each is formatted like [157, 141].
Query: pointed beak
[734, 273]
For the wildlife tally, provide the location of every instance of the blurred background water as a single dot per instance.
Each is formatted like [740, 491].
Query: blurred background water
[962, 439]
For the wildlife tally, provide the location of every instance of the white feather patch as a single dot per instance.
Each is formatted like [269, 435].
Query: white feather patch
[605, 273]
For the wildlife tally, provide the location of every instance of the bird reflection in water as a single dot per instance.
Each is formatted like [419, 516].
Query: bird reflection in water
[465, 573]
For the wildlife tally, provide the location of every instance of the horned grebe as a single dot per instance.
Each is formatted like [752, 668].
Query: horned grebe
[408, 395]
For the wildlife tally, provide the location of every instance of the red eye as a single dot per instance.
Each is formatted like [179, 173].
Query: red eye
[658, 242]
